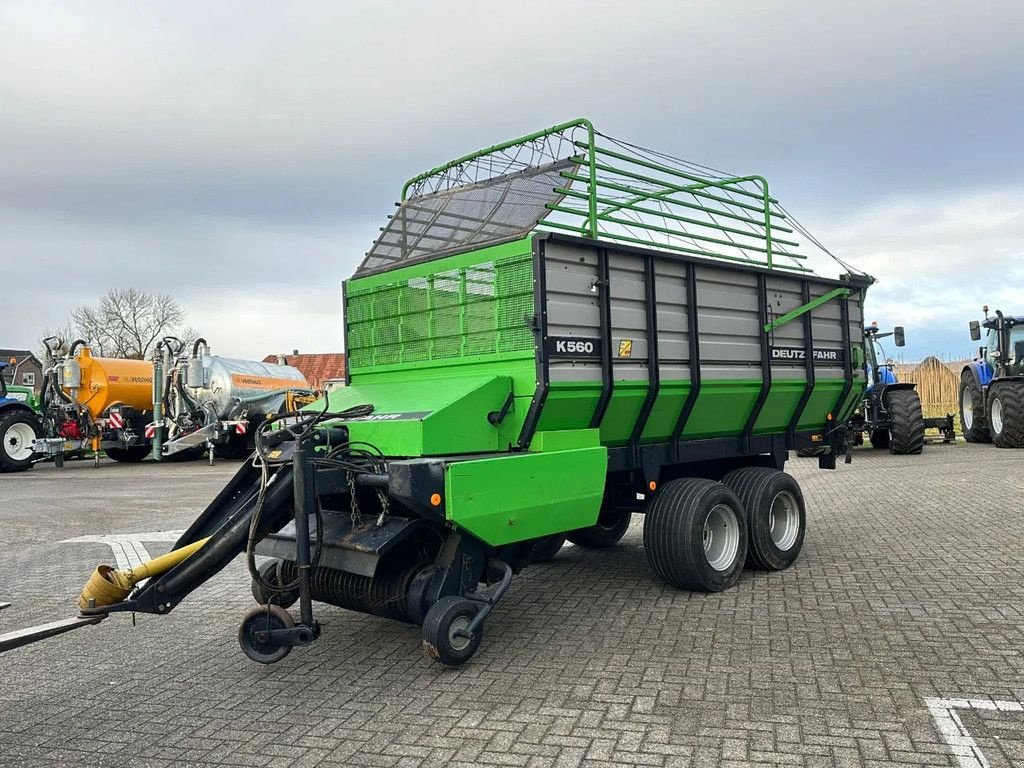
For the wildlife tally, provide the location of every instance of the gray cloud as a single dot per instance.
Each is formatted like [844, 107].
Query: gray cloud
[232, 153]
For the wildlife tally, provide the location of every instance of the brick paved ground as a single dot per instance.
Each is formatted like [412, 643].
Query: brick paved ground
[909, 587]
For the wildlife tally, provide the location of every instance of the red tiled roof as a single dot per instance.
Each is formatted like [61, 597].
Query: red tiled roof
[316, 368]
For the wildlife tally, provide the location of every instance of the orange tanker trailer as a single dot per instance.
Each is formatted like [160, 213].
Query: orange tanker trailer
[95, 403]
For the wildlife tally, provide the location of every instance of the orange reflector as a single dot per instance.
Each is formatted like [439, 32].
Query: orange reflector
[435, 499]
[829, 417]
[652, 485]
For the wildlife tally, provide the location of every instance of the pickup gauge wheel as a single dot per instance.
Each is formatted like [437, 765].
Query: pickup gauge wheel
[266, 618]
[442, 628]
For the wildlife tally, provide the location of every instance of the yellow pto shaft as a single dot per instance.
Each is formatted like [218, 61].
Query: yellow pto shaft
[108, 585]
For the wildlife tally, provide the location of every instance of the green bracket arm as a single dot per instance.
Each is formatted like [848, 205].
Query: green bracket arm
[835, 293]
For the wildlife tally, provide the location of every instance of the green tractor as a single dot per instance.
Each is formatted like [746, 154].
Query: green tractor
[19, 425]
[548, 337]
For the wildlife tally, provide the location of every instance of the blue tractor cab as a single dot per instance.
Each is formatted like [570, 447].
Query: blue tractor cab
[992, 385]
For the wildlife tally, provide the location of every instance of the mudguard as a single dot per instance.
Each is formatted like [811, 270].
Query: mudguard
[981, 371]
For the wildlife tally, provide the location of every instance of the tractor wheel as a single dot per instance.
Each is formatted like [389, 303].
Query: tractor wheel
[695, 535]
[776, 516]
[545, 549]
[17, 431]
[1006, 413]
[906, 422]
[880, 439]
[611, 526]
[445, 619]
[973, 419]
[131, 455]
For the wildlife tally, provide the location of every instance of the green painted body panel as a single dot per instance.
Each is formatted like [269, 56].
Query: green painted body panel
[623, 410]
[523, 496]
[722, 408]
[665, 413]
[411, 419]
[569, 406]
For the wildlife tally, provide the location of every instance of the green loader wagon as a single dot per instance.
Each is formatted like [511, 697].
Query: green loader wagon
[548, 337]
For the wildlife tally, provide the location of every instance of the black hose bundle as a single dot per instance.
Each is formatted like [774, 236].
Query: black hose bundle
[354, 457]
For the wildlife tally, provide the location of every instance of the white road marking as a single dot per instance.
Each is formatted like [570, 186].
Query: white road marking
[128, 548]
[955, 733]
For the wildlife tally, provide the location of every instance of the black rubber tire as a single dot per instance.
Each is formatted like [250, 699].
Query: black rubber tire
[545, 549]
[263, 618]
[880, 439]
[759, 488]
[7, 462]
[234, 449]
[906, 422]
[131, 455]
[978, 432]
[674, 534]
[441, 619]
[1010, 397]
[611, 526]
[271, 571]
[808, 453]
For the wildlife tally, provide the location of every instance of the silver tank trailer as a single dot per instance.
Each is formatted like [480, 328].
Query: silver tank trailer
[236, 387]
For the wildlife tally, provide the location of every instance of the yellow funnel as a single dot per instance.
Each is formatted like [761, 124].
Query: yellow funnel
[107, 585]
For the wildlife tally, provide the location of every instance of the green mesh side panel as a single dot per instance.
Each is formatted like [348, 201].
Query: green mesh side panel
[481, 309]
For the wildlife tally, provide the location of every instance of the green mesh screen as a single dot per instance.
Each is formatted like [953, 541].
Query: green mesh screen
[482, 309]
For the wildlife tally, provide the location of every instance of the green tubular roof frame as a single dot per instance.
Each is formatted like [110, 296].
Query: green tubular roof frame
[641, 197]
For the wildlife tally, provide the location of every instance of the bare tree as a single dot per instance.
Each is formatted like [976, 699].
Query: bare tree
[128, 322]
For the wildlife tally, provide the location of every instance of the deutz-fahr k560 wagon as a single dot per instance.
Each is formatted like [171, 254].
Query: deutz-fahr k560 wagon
[548, 336]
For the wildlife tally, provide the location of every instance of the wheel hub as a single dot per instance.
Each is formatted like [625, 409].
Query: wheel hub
[18, 441]
[784, 520]
[457, 640]
[721, 537]
[997, 415]
[967, 408]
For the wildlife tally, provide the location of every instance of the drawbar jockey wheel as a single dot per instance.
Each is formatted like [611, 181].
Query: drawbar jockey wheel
[252, 634]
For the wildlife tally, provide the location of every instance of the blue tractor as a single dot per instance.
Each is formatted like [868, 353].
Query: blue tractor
[890, 413]
[19, 425]
[992, 386]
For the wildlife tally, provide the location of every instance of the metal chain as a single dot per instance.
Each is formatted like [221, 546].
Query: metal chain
[352, 496]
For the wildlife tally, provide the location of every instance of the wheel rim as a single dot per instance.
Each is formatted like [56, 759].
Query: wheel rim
[455, 640]
[967, 408]
[18, 441]
[784, 520]
[721, 537]
[997, 415]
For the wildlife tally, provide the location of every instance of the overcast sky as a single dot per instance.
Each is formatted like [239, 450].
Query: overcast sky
[243, 155]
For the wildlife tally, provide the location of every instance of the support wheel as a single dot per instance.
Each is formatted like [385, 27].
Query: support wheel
[17, 431]
[879, 439]
[132, 455]
[906, 422]
[270, 572]
[443, 621]
[1006, 414]
[611, 526]
[695, 535]
[264, 619]
[972, 410]
[545, 549]
[776, 516]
